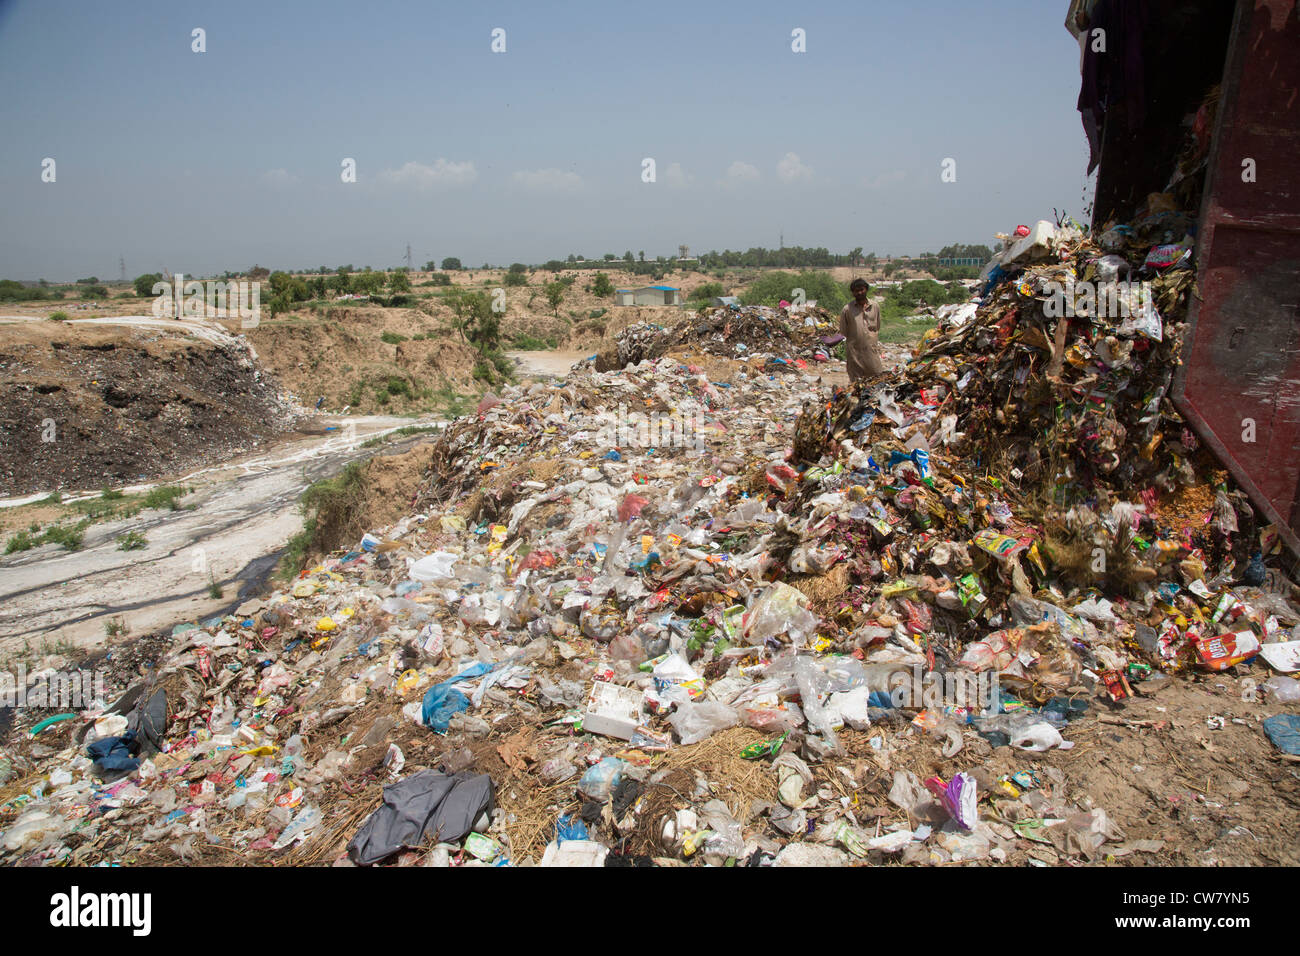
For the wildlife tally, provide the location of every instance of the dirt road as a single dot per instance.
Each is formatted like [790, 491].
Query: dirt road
[245, 511]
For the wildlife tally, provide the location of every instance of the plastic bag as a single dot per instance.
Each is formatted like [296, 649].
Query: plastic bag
[1039, 737]
[813, 682]
[1283, 690]
[698, 721]
[598, 782]
[780, 609]
[434, 567]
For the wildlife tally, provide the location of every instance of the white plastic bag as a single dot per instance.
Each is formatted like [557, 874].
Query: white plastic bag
[696, 722]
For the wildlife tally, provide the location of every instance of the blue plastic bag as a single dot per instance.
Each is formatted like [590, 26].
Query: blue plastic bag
[443, 701]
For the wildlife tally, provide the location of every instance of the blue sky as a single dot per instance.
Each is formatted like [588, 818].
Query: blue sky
[202, 162]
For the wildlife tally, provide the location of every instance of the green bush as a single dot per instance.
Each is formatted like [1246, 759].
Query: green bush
[144, 284]
[69, 536]
[707, 292]
[772, 287]
[59, 316]
[601, 286]
[438, 278]
[164, 496]
[22, 541]
[392, 338]
[132, 541]
[398, 386]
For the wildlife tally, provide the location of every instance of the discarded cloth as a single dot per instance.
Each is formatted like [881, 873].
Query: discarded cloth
[115, 754]
[426, 805]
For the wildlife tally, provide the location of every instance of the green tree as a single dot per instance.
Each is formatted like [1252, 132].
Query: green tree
[290, 288]
[601, 286]
[773, 287]
[707, 292]
[399, 281]
[144, 284]
[641, 256]
[340, 282]
[627, 256]
[477, 324]
[451, 264]
[554, 292]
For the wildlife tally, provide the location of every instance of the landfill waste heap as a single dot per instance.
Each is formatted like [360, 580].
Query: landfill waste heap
[651, 613]
[787, 338]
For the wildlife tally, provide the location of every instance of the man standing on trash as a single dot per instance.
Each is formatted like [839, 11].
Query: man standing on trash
[860, 324]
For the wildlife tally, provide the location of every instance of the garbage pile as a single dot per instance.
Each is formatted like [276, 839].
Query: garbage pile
[1032, 441]
[789, 338]
[662, 614]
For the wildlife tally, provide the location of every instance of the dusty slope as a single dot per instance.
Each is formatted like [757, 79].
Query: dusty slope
[83, 406]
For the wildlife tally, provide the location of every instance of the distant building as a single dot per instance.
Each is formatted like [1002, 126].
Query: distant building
[650, 295]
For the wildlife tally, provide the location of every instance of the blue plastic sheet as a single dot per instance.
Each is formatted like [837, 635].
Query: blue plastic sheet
[1284, 731]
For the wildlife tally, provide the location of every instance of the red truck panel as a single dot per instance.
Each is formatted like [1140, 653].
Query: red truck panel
[1242, 349]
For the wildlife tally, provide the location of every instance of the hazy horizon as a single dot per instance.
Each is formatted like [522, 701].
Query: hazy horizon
[210, 162]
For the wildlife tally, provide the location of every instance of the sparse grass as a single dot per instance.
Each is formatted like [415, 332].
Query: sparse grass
[71, 537]
[164, 496]
[114, 627]
[214, 589]
[452, 403]
[527, 343]
[132, 541]
[22, 541]
[399, 433]
[328, 506]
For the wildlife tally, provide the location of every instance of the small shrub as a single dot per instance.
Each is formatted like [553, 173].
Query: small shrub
[164, 496]
[59, 316]
[132, 541]
[70, 537]
[22, 541]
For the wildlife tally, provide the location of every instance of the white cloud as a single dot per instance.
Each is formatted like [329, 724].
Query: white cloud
[278, 177]
[548, 180]
[739, 173]
[884, 180]
[443, 172]
[676, 177]
[791, 170]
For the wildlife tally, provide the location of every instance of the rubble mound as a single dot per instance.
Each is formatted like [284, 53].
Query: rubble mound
[86, 406]
[784, 338]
